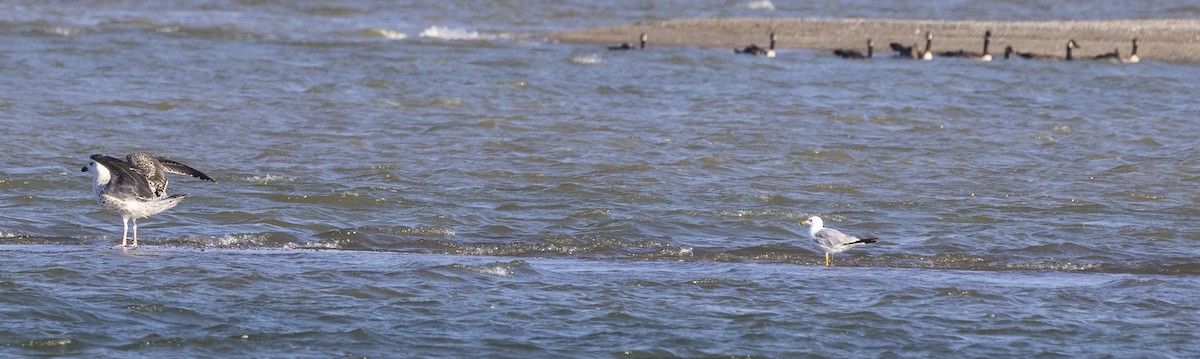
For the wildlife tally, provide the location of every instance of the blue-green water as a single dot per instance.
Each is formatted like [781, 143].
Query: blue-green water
[435, 180]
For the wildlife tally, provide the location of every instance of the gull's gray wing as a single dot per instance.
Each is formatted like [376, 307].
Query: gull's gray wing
[833, 238]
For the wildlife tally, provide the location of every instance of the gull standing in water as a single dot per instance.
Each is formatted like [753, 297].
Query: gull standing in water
[830, 240]
[136, 187]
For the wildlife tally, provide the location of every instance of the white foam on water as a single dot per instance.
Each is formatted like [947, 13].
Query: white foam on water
[449, 33]
[760, 5]
[231, 240]
[63, 31]
[265, 179]
[496, 269]
[387, 34]
[313, 245]
[587, 60]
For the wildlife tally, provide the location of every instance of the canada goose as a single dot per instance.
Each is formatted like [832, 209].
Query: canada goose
[854, 54]
[912, 52]
[626, 46]
[905, 52]
[1071, 45]
[1029, 55]
[1008, 50]
[985, 56]
[987, 40]
[1112, 56]
[928, 54]
[758, 51]
[1133, 56]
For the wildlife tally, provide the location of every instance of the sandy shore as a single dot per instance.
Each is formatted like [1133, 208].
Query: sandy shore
[1161, 39]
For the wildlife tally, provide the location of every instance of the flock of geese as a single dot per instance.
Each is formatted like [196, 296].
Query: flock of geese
[912, 52]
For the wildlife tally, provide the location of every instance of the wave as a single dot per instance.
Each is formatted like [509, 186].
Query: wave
[5, 234]
[385, 33]
[587, 60]
[449, 33]
[759, 5]
[262, 240]
[495, 269]
[262, 179]
[61, 31]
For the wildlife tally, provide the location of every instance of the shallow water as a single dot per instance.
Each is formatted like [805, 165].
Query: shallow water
[433, 179]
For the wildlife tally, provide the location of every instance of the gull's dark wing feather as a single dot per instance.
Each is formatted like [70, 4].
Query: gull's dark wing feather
[125, 180]
[182, 169]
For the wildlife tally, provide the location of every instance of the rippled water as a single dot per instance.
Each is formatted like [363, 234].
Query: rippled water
[432, 179]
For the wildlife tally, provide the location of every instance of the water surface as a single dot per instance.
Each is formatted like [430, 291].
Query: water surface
[433, 179]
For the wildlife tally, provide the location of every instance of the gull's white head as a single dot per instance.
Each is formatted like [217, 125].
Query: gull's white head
[814, 222]
[100, 172]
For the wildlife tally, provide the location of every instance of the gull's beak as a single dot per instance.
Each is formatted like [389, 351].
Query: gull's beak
[84, 169]
[802, 223]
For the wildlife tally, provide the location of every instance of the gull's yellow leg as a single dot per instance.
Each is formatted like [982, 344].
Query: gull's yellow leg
[826, 259]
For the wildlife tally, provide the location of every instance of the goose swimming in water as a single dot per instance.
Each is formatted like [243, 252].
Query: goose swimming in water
[758, 51]
[1114, 56]
[911, 52]
[626, 46]
[136, 187]
[1071, 45]
[905, 52]
[928, 54]
[1008, 51]
[1133, 56]
[984, 56]
[855, 54]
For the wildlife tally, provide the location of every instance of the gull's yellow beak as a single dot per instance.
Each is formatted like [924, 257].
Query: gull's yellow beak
[804, 222]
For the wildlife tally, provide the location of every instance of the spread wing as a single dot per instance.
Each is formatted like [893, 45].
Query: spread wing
[151, 169]
[125, 179]
[182, 169]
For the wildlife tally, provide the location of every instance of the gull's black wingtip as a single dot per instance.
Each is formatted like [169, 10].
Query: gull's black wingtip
[864, 241]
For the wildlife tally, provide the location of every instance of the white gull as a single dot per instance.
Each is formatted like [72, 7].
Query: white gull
[830, 240]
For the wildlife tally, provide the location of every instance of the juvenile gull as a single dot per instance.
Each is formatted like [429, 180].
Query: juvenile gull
[137, 186]
[830, 240]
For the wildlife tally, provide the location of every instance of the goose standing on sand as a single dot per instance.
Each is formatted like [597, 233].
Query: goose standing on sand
[1133, 56]
[626, 46]
[855, 54]
[830, 240]
[136, 187]
[984, 56]
[758, 51]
